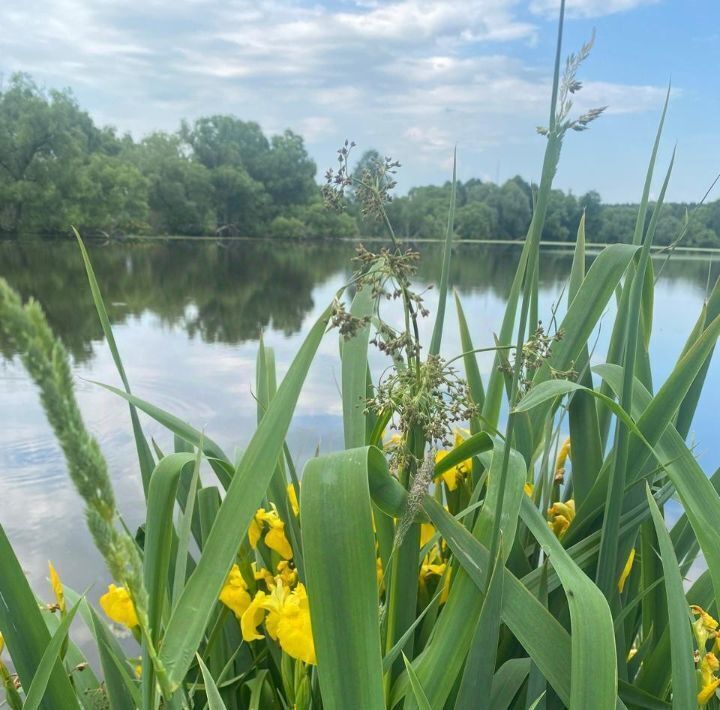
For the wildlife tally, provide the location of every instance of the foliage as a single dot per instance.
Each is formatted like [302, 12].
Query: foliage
[221, 175]
[508, 571]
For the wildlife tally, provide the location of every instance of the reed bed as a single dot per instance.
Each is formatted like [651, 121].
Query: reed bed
[460, 552]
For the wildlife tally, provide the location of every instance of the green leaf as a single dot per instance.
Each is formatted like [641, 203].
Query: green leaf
[337, 526]
[472, 371]
[122, 691]
[214, 699]
[506, 683]
[542, 636]
[577, 270]
[477, 678]
[442, 661]
[587, 306]
[698, 496]
[593, 637]
[145, 456]
[445, 273]
[687, 409]
[420, 698]
[354, 371]
[472, 446]
[684, 683]
[185, 531]
[25, 632]
[158, 534]
[159, 530]
[49, 663]
[215, 456]
[552, 389]
[244, 494]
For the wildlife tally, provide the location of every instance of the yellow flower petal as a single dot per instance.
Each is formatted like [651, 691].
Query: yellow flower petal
[234, 594]
[626, 570]
[394, 441]
[255, 531]
[252, 618]
[276, 540]
[529, 488]
[427, 530]
[57, 587]
[294, 630]
[292, 497]
[707, 692]
[446, 587]
[287, 573]
[119, 607]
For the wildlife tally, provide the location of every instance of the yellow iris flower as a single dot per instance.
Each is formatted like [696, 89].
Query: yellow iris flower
[262, 575]
[709, 665]
[57, 588]
[275, 537]
[234, 594]
[561, 515]
[705, 628]
[119, 607]
[561, 460]
[287, 620]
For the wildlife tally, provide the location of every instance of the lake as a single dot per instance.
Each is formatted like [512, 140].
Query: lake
[187, 317]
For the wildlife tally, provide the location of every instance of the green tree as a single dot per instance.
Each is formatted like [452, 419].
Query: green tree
[514, 210]
[476, 220]
[180, 193]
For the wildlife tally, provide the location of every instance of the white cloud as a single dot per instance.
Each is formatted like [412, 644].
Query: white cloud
[410, 77]
[587, 8]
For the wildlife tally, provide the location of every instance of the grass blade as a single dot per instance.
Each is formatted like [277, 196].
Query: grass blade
[472, 371]
[477, 679]
[145, 457]
[684, 684]
[214, 699]
[355, 372]
[445, 274]
[593, 644]
[350, 667]
[420, 698]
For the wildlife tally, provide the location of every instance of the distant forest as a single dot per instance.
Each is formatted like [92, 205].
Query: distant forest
[220, 175]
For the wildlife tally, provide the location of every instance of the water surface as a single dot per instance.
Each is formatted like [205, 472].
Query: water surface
[187, 317]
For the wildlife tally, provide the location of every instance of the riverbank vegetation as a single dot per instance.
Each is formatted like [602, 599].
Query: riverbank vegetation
[481, 540]
[222, 176]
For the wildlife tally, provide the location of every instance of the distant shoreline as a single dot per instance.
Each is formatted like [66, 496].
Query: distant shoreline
[590, 247]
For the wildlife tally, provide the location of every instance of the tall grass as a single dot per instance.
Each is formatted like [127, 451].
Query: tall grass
[423, 566]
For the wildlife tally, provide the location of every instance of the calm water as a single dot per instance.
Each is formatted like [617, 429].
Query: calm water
[187, 317]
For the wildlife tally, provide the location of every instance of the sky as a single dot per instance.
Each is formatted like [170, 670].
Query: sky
[410, 78]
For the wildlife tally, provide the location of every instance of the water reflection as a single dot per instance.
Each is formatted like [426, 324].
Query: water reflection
[187, 316]
[229, 292]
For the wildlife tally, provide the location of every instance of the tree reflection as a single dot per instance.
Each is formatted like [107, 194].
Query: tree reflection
[229, 291]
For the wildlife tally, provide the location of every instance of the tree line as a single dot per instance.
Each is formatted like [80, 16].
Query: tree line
[219, 175]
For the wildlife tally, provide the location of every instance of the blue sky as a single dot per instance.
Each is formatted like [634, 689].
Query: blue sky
[408, 77]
